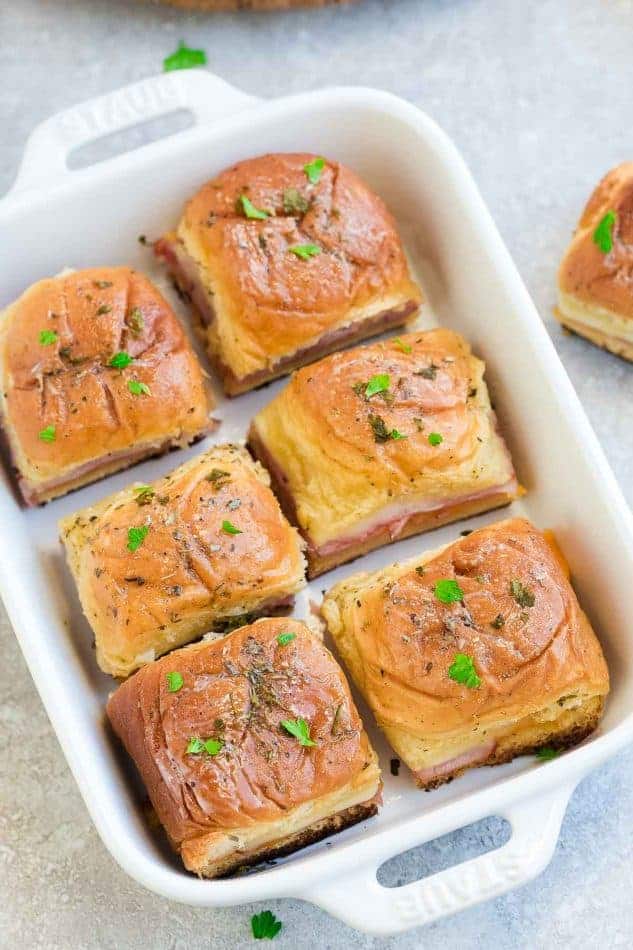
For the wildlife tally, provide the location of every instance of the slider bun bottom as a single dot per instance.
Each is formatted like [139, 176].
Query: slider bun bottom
[553, 726]
[219, 853]
[597, 324]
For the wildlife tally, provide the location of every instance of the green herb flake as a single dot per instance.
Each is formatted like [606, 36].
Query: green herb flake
[47, 434]
[448, 591]
[174, 682]
[546, 753]
[305, 251]
[218, 477]
[401, 345]
[420, 570]
[435, 438]
[285, 638]
[48, 337]
[102, 284]
[230, 528]
[104, 308]
[462, 670]
[381, 432]
[498, 622]
[250, 211]
[195, 746]
[603, 235]
[135, 320]
[427, 372]
[377, 384]
[137, 388]
[314, 170]
[184, 58]
[120, 360]
[212, 746]
[294, 202]
[265, 926]
[144, 494]
[300, 729]
[523, 595]
[136, 536]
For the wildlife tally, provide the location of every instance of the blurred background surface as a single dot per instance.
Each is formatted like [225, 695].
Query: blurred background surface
[537, 96]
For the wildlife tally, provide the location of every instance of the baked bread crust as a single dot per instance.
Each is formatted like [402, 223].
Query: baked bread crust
[596, 287]
[188, 572]
[100, 426]
[543, 677]
[348, 492]
[263, 793]
[263, 308]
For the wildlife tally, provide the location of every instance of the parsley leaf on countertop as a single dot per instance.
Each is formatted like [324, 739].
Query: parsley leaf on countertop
[265, 926]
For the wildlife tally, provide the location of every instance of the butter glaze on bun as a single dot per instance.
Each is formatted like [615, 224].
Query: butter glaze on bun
[70, 417]
[346, 482]
[214, 546]
[263, 793]
[596, 285]
[266, 310]
[542, 675]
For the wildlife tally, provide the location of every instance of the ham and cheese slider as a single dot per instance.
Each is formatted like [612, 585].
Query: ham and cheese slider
[473, 653]
[158, 565]
[381, 442]
[97, 374]
[249, 746]
[286, 258]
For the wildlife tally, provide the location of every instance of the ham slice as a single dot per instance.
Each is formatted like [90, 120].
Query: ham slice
[440, 772]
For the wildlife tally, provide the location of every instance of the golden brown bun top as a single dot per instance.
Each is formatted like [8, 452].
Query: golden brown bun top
[277, 300]
[68, 384]
[587, 272]
[519, 621]
[239, 689]
[187, 562]
[325, 420]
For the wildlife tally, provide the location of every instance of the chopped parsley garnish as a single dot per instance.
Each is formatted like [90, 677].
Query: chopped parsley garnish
[462, 670]
[47, 434]
[135, 320]
[401, 345]
[120, 360]
[230, 528]
[137, 388]
[136, 536]
[104, 308]
[294, 202]
[251, 211]
[523, 595]
[184, 58]
[448, 591]
[174, 682]
[144, 494]
[381, 432]
[305, 251]
[427, 372]
[284, 638]
[211, 746]
[420, 569]
[314, 169]
[377, 384]
[603, 235]
[265, 926]
[435, 438]
[47, 337]
[300, 729]
[498, 622]
[546, 753]
[218, 477]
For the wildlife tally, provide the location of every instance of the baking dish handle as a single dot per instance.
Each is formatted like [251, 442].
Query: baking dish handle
[362, 902]
[47, 149]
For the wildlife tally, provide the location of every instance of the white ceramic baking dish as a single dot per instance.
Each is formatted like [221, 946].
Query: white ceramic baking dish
[55, 218]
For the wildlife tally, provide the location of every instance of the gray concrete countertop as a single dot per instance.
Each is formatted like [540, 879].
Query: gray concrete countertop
[537, 95]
